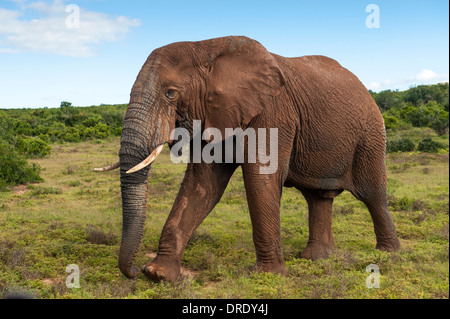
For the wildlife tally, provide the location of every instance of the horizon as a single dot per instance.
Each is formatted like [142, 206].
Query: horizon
[90, 52]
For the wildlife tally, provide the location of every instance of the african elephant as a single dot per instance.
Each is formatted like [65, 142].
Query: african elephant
[331, 137]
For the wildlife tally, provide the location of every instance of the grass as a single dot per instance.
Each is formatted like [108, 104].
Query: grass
[74, 217]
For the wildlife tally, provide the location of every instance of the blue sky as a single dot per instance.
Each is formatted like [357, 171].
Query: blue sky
[44, 59]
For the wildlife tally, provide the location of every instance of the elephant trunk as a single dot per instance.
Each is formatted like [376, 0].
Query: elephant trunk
[141, 134]
[134, 199]
[134, 191]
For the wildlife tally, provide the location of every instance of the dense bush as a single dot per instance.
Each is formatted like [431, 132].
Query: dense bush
[429, 146]
[420, 106]
[400, 145]
[33, 147]
[390, 122]
[67, 123]
[14, 169]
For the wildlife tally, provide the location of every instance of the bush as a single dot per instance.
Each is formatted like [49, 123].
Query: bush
[430, 146]
[388, 99]
[33, 147]
[14, 169]
[440, 124]
[92, 121]
[101, 130]
[401, 145]
[72, 136]
[390, 122]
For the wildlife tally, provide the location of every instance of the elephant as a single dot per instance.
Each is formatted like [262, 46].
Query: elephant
[331, 138]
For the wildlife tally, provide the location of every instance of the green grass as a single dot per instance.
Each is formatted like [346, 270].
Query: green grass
[74, 217]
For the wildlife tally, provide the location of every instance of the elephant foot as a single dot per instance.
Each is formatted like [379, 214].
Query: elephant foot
[389, 244]
[158, 272]
[316, 251]
[272, 268]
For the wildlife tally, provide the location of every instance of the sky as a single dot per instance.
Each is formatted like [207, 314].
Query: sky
[89, 52]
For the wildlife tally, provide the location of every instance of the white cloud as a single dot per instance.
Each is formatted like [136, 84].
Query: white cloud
[429, 75]
[53, 31]
[425, 76]
[374, 86]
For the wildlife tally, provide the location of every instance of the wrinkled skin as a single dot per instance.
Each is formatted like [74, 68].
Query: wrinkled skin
[330, 138]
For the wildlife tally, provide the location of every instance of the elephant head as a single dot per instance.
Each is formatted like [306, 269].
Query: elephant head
[224, 82]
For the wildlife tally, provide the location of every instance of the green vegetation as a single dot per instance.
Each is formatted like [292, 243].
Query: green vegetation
[14, 169]
[67, 123]
[430, 146]
[74, 217]
[401, 145]
[420, 106]
[29, 133]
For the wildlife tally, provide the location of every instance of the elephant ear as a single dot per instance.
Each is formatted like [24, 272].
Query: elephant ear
[241, 81]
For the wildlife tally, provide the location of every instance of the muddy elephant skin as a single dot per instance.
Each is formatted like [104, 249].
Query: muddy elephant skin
[331, 138]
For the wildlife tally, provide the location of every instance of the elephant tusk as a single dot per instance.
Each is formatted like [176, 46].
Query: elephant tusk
[108, 168]
[148, 160]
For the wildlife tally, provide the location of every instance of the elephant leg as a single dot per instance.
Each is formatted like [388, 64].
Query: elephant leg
[263, 196]
[386, 235]
[321, 241]
[201, 189]
[376, 201]
[370, 184]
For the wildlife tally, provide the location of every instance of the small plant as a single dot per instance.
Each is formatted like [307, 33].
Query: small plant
[99, 237]
[70, 170]
[74, 183]
[39, 190]
[343, 210]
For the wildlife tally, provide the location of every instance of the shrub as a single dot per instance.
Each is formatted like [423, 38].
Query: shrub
[99, 237]
[92, 121]
[72, 137]
[33, 147]
[440, 124]
[390, 122]
[117, 131]
[101, 130]
[401, 145]
[22, 127]
[14, 169]
[56, 131]
[430, 146]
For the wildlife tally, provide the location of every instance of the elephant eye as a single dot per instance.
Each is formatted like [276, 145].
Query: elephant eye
[171, 94]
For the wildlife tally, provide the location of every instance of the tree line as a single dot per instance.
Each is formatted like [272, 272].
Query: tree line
[420, 106]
